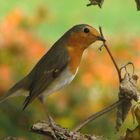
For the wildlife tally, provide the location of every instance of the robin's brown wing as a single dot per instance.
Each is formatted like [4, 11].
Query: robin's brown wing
[46, 70]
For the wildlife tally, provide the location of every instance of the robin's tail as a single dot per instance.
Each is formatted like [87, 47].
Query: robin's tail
[18, 89]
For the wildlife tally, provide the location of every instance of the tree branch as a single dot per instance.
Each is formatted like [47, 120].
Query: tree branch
[98, 114]
[60, 133]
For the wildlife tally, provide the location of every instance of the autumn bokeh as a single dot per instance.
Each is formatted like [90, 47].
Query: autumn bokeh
[29, 28]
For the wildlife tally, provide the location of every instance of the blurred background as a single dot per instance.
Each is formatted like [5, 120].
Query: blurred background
[29, 28]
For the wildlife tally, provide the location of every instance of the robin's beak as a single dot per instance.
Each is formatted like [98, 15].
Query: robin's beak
[101, 38]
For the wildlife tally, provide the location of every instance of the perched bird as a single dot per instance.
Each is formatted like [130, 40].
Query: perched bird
[58, 66]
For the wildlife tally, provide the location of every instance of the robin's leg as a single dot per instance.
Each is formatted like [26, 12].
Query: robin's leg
[42, 101]
[50, 119]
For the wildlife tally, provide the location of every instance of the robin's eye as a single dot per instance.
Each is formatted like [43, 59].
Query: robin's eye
[86, 30]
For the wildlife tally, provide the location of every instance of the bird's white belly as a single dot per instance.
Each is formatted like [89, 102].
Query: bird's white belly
[63, 79]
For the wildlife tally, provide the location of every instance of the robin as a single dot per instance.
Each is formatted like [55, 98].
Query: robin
[57, 67]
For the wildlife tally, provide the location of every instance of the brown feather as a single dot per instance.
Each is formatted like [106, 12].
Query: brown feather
[44, 73]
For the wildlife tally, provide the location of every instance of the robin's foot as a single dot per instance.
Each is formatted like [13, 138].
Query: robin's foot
[53, 123]
[53, 126]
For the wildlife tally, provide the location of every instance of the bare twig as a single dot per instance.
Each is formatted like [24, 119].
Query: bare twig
[114, 105]
[125, 68]
[110, 54]
[128, 92]
[61, 133]
[98, 114]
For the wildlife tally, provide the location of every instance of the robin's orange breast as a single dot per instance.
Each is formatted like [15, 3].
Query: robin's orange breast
[75, 55]
[75, 49]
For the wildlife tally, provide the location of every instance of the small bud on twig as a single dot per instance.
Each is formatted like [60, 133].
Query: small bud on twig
[96, 2]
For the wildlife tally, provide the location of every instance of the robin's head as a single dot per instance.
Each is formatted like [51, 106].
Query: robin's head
[83, 35]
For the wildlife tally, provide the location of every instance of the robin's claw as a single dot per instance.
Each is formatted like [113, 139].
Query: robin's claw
[53, 126]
